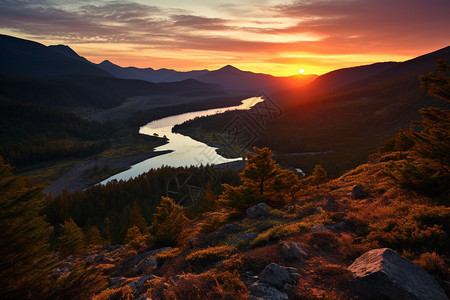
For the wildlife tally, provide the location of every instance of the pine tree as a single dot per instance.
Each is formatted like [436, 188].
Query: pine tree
[72, 239]
[168, 222]
[25, 260]
[136, 218]
[319, 175]
[93, 237]
[209, 199]
[259, 169]
[428, 168]
[262, 181]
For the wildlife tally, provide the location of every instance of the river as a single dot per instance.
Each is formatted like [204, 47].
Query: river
[185, 151]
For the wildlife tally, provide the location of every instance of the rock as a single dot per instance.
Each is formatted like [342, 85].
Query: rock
[257, 211]
[333, 227]
[209, 240]
[107, 260]
[292, 250]
[230, 228]
[382, 273]
[89, 259]
[318, 210]
[115, 280]
[146, 265]
[137, 284]
[277, 276]
[320, 228]
[358, 192]
[245, 236]
[154, 252]
[260, 290]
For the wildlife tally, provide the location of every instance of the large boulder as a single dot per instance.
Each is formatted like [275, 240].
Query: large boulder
[261, 290]
[292, 250]
[278, 276]
[147, 264]
[384, 274]
[257, 211]
[137, 285]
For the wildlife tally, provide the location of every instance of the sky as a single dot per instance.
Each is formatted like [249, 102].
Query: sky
[267, 36]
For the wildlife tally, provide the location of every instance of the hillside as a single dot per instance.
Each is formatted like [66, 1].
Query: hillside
[24, 57]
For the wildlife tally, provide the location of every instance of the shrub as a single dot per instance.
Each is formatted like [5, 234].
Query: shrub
[433, 263]
[121, 293]
[168, 222]
[211, 253]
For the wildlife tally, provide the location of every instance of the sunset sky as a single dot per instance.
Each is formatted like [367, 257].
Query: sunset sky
[269, 36]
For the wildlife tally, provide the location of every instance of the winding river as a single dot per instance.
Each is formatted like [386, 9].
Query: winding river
[185, 151]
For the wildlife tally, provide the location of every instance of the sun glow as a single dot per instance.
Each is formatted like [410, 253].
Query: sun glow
[301, 71]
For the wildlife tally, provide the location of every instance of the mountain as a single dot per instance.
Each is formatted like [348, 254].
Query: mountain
[233, 78]
[148, 74]
[96, 91]
[67, 51]
[23, 57]
[229, 77]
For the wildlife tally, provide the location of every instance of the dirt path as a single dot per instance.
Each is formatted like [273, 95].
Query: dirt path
[92, 171]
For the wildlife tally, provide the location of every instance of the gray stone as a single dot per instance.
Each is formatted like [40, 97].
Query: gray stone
[153, 252]
[293, 250]
[358, 192]
[278, 276]
[318, 210]
[257, 211]
[245, 236]
[382, 273]
[137, 284]
[260, 290]
[230, 228]
[115, 280]
[146, 265]
[320, 228]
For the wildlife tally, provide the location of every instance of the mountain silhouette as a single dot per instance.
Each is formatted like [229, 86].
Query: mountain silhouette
[24, 57]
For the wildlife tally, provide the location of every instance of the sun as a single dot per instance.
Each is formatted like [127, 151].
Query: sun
[301, 71]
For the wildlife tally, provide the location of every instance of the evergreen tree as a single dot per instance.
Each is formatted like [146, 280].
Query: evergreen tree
[259, 169]
[319, 175]
[132, 234]
[428, 167]
[93, 237]
[168, 222]
[136, 218]
[72, 239]
[25, 260]
[262, 181]
[209, 199]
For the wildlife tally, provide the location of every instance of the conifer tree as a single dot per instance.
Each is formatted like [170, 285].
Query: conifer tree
[136, 218]
[259, 169]
[72, 239]
[168, 222]
[428, 168]
[93, 237]
[132, 234]
[319, 175]
[25, 260]
[209, 199]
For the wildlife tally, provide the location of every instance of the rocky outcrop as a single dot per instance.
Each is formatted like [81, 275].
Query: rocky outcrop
[278, 276]
[138, 284]
[265, 291]
[273, 283]
[257, 211]
[382, 273]
[292, 250]
[147, 265]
